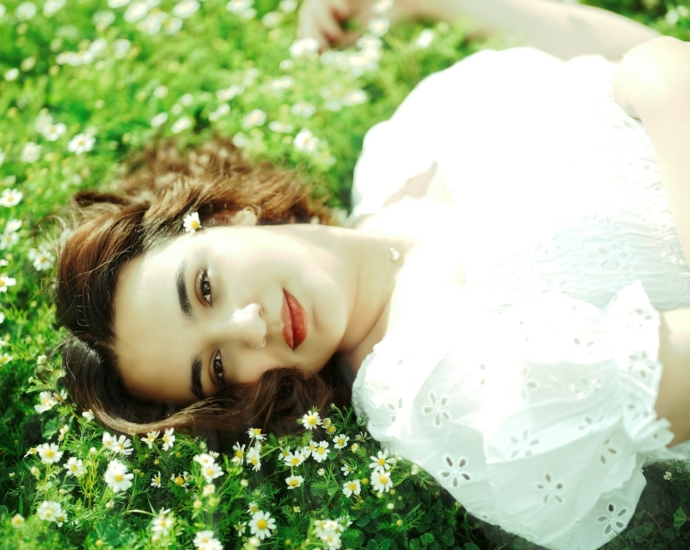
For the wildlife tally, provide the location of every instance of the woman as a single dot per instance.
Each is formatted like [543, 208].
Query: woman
[525, 340]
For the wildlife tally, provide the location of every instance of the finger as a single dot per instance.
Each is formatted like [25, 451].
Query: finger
[341, 9]
[331, 29]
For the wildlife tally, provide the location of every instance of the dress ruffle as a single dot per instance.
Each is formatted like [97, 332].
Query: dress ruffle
[537, 419]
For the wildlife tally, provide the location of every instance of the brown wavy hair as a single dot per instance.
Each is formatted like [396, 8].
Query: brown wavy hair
[107, 230]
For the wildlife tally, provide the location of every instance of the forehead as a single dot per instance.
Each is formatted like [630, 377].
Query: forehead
[147, 314]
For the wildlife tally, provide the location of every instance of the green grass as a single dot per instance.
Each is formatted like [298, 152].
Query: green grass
[87, 67]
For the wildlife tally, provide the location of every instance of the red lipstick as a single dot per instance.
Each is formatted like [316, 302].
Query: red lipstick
[294, 320]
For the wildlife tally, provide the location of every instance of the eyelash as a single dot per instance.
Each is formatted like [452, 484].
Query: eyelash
[203, 280]
[205, 292]
[219, 372]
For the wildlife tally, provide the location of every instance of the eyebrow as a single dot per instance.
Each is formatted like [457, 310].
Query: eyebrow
[196, 378]
[182, 296]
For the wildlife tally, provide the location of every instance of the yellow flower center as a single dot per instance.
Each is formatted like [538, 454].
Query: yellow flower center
[353, 487]
[50, 453]
[261, 524]
[294, 483]
[294, 461]
[239, 454]
[383, 479]
[382, 461]
[119, 477]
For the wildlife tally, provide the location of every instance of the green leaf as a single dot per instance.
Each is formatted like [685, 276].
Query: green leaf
[679, 518]
[470, 546]
[364, 520]
[385, 545]
[448, 537]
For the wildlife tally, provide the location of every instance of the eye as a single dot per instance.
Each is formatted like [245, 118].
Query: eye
[218, 369]
[204, 286]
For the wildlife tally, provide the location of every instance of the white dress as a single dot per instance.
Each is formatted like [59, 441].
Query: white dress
[529, 391]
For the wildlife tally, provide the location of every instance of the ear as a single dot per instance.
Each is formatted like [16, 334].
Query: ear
[246, 216]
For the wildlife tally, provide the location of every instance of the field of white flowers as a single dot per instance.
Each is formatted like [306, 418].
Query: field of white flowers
[85, 84]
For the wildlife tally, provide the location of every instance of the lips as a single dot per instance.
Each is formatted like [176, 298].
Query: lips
[294, 321]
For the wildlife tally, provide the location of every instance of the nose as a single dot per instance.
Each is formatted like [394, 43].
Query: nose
[245, 326]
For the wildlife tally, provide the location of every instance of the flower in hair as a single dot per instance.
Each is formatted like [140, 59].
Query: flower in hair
[192, 222]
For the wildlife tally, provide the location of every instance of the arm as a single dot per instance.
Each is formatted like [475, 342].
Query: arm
[564, 30]
[652, 83]
[673, 401]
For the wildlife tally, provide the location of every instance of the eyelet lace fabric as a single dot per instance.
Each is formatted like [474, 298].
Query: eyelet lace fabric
[529, 392]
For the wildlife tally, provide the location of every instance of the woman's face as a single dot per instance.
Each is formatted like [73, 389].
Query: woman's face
[195, 314]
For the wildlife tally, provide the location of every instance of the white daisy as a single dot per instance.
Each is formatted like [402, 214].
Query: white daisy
[47, 402]
[379, 25]
[137, 11]
[381, 461]
[108, 441]
[81, 143]
[51, 7]
[311, 420]
[238, 7]
[168, 439]
[75, 467]
[156, 480]
[116, 476]
[150, 438]
[42, 258]
[424, 40]
[25, 11]
[50, 453]
[256, 434]
[11, 197]
[321, 452]
[262, 524]
[346, 469]
[121, 445]
[254, 458]
[294, 459]
[17, 520]
[208, 490]
[53, 132]
[31, 152]
[294, 481]
[211, 471]
[239, 453]
[254, 118]
[159, 119]
[304, 47]
[352, 487]
[12, 74]
[180, 480]
[185, 9]
[204, 540]
[305, 141]
[163, 522]
[381, 481]
[191, 222]
[49, 510]
[227, 94]
[340, 441]
[5, 358]
[181, 124]
[6, 282]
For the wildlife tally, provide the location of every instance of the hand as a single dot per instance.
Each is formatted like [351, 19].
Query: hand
[646, 69]
[322, 19]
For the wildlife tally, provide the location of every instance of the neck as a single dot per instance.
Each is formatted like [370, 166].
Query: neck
[362, 266]
[373, 272]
